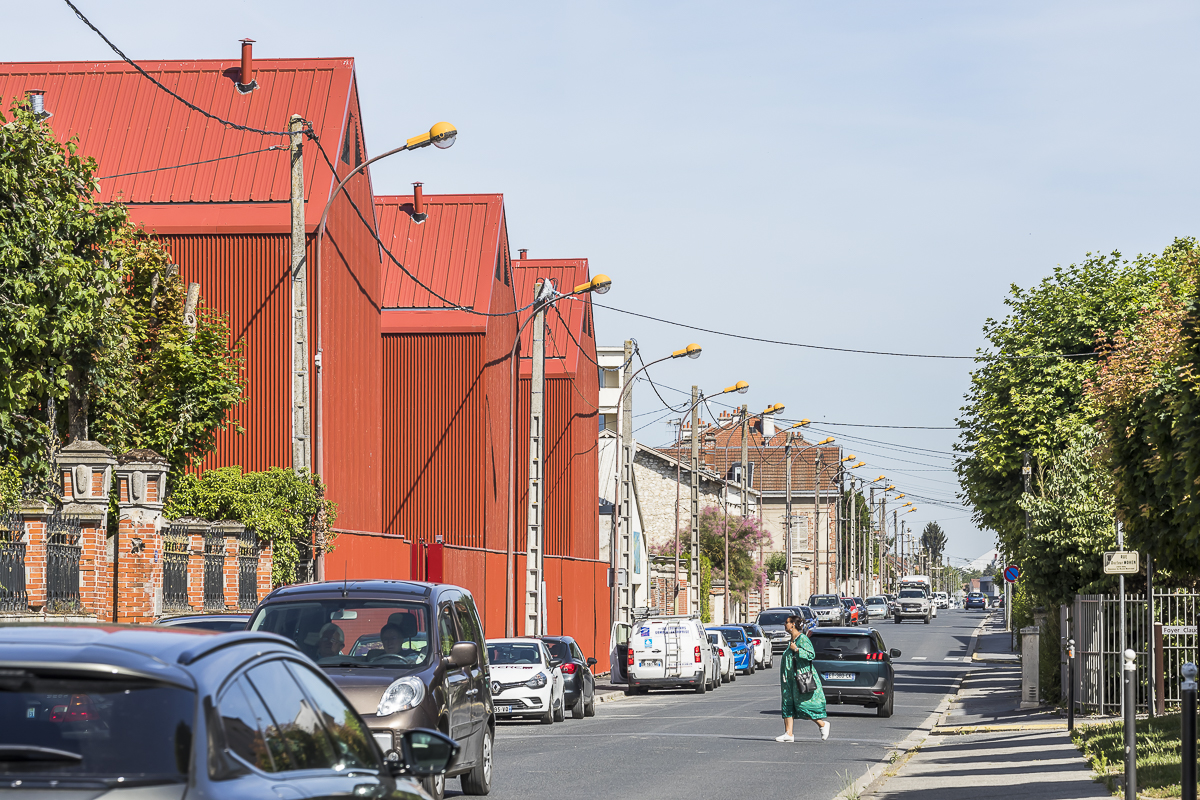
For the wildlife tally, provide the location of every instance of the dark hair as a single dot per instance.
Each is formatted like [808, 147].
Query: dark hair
[797, 622]
[392, 628]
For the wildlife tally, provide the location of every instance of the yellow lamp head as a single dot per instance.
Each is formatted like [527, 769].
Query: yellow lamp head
[599, 284]
[741, 387]
[850, 457]
[826, 440]
[441, 135]
[859, 464]
[802, 423]
[880, 478]
[889, 488]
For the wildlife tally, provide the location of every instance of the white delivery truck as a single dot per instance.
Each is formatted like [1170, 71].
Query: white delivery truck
[669, 652]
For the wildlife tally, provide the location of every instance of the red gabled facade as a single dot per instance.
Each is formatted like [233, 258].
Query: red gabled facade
[227, 223]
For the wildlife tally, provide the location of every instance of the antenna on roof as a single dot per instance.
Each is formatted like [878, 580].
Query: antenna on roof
[345, 578]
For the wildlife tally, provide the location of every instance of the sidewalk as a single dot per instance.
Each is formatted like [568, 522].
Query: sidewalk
[985, 746]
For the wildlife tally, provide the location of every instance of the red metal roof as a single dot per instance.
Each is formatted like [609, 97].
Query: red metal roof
[457, 252]
[129, 125]
[569, 326]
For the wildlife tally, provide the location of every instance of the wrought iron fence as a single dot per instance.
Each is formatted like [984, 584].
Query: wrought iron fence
[214, 570]
[13, 596]
[63, 548]
[1096, 627]
[247, 570]
[306, 565]
[175, 568]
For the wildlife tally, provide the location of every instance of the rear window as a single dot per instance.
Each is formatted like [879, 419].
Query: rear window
[559, 650]
[510, 653]
[876, 601]
[773, 617]
[829, 645]
[80, 727]
[734, 635]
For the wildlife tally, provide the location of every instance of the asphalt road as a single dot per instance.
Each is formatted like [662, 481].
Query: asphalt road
[721, 744]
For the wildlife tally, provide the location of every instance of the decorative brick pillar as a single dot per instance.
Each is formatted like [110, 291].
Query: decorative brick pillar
[86, 470]
[231, 533]
[35, 515]
[138, 552]
[265, 582]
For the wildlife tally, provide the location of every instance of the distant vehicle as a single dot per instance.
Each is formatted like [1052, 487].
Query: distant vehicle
[772, 620]
[157, 712]
[917, 581]
[220, 623]
[891, 599]
[829, 609]
[862, 609]
[851, 611]
[726, 670]
[743, 648]
[877, 606]
[527, 681]
[941, 599]
[976, 600]
[579, 684]
[913, 604]
[855, 667]
[762, 644]
[668, 652]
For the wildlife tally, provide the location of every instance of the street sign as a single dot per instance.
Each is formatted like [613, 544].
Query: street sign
[1179, 630]
[1011, 573]
[1121, 562]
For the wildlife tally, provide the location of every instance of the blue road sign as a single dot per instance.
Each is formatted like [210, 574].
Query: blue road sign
[1011, 573]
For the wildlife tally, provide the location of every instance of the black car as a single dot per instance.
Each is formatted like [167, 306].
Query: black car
[579, 684]
[855, 667]
[220, 623]
[91, 709]
[407, 654]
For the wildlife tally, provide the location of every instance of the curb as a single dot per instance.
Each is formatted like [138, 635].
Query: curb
[901, 752]
[965, 730]
[611, 697]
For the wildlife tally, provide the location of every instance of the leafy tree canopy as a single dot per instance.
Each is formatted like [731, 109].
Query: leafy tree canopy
[1020, 401]
[933, 541]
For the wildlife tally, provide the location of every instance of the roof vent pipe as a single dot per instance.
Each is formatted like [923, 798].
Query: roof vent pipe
[247, 84]
[419, 214]
[523, 251]
[37, 103]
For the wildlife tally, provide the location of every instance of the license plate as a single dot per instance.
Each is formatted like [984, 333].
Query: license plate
[384, 740]
[839, 676]
[657, 662]
[504, 709]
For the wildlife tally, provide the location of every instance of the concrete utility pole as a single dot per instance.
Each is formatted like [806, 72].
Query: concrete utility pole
[870, 542]
[301, 415]
[694, 508]
[678, 481]
[535, 600]
[787, 518]
[625, 537]
[819, 579]
[841, 579]
[745, 470]
[853, 562]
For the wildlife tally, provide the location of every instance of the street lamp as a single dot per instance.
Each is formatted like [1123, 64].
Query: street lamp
[547, 296]
[441, 135]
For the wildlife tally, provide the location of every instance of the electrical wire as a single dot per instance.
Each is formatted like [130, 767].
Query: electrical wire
[153, 80]
[193, 164]
[977, 357]
[638, 352]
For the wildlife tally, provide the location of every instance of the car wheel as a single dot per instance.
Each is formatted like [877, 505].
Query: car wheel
[926, 619]
[560, 713]
[885, 709]
[701, 685]
[733, 675]
[589, 709]
[577, 710]
[479, 780]
[750, 667]
[435, 786]
[548, 717]
[897, 619]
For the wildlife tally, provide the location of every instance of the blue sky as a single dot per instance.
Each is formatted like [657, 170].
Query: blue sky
[865, 175]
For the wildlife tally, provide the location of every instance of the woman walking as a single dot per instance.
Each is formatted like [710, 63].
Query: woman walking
[800, 700]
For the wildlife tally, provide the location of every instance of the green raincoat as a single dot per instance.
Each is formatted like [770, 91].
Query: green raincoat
[794, 704]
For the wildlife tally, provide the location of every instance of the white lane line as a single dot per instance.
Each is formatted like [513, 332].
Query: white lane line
[953, 658]
[918, 658]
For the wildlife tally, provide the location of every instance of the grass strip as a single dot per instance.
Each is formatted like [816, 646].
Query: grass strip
[1159, 752]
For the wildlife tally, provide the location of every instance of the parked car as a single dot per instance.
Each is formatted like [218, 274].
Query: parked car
[668, 652]
[941, 600]
[91, 709]
[527, 680]
[877, 606]
[829, 609]
[579, 684]
[762, 644]
[851, 611]
[891, 598]
[407, 655]
[715, 679]
[772, 620]
[727, 671]
[913, 604]
[221, 623]
[743, 648]
[855, 668]
[862, 610]
[975, 600]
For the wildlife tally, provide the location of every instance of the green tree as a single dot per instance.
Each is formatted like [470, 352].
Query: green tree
[775, 563]
[1024, 397]
[933, 540]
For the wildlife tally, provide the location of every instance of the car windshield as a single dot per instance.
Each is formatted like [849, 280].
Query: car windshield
[830, 645]
[352, 633]
[848, 603]
[80, 727]
[912, 594]
[773, 617]
[753, 630]
[504, 653]
[734, 635]
[560, 650]
[824, 600]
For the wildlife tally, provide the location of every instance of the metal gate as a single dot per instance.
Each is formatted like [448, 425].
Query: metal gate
[175, 569]
[63, 549]
[214, 570]
[247, 570]
[13, 596]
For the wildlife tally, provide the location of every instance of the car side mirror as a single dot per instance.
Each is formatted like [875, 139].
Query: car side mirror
[894, 653]
[591, 662]
[424, 753]
[463, 654]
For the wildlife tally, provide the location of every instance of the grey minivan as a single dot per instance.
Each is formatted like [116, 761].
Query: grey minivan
[406, 654]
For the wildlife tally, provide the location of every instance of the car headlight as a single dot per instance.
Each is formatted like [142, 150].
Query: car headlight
[537, 681]
[403, 694]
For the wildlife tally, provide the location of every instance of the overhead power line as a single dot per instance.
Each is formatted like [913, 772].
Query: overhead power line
[192, 164]
[977, 357]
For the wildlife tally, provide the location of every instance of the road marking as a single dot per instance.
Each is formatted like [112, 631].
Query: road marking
[918, 658]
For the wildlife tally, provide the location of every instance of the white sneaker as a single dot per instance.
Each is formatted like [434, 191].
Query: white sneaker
[825, 731]
[787, 737]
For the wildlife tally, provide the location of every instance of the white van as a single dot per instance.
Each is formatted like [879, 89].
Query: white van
[667, 652]
[941, 600]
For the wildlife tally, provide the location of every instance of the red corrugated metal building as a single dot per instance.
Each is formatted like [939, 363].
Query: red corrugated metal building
[227, 223]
